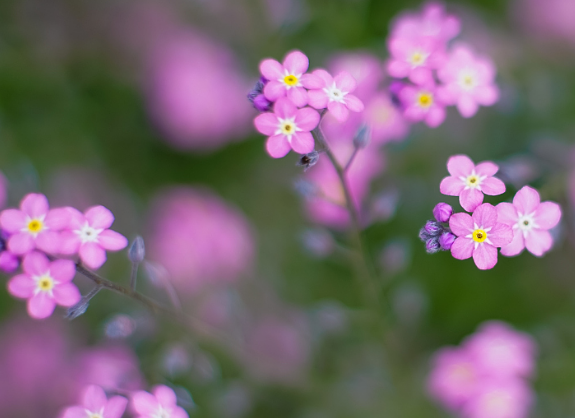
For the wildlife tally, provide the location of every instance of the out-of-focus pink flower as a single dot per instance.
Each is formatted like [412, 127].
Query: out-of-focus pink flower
[479, 236]
[95, 404]
[335, 94]
[530, 219]
[423, 103]
[501, 351]
[547, 19]
[328, 208]
[289, 78]
[469, 81]
[162, 403]
[431, 22]
[196, 94]
[198, 238]
[385, 121]
[415, 58]
[45, 284]
[499, 399]
[34, 225]
[366, 69]
[470, 181]
[288, 128]
[88, 235]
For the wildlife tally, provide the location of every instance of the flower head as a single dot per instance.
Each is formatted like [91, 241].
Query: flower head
[442, 212]
[479, 236]
[34, 225]
[45, 284]
[161, 403]
[431, 22]
[469, 81]
[288, 128]
[88, 235]
[334, 94]
[423, 103]
[470, 181]
[530, 220]
[96, 405]
[415, 58]
[500, 399]
[288, 79]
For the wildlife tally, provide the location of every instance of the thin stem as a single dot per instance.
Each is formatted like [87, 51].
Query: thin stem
[355, 151]
[134, 275]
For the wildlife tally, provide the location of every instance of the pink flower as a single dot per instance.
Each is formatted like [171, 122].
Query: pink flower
[162, 403]
[288, 79]
[334, 94]
[366, 69]
[415, 58]
[500, 399]
[385, 121]
[288, 128]
[530, 219]
[88, 235]
[502, 352]
[479, 236]
[96, 405]
[431, 22]
[45, 284]
[423, 103]
[470, 181]
[34, 225]
[469, 81]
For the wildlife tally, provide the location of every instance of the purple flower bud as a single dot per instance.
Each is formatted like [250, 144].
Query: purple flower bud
[137, 250]
[446, 240]
[433, 228]
[261, 103]
[423, 235]
[308, 160]
[432, 245]
[442, 212]
[362, 136]
[394, 90]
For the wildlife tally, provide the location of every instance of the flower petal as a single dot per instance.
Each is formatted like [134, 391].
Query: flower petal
[312, 81]
[485, 256]
[306, 119]
[507, 214]
[277, 146]
[451, 186]
[271, 69]
[112, 240]
[467, 107]
[470, 199]
[94, 398]
[462, 248]
[99, 217]
[538, 242]
[398, 69]
[296, 62]
[485, 216]
[526, 200]
[547, 215]
[345, 82]
[353, 103]
[421, 76]
[74, 412]
[317, 99]
[41, 306]
[21, 286]
[500, 235]
[63, 270]
[8, 262]
[66, 294]
[516, 246]
[266, 123]
[298, 95]
[92, 255]
[461, 224]
[179, 412]
[486, 168]
[12, 220]
[492, 186]
[58, 219]
[164, 395]
[69, 242]
[338, 110]
[284, 108]
[36, 264]
[435, 116]
[48, 241]
[324, 76]
[460, 166]
[302, 142]
[274, 90]
[144, 402]
[21, 243]
[35, 205]
[115, 407]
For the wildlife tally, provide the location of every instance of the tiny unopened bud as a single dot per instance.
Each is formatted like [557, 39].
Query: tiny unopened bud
[308, 160]
[446, 240]
[137, 250]
[433, 228]
[261, 103]
[432, 245]
[78, 309]
[423, 235]
[442, 212]
[362, 136]
[305, 188]
[257, 98]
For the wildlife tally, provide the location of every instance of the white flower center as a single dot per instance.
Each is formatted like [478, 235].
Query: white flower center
[473, 181]
[88, 234]
[35, 225]
[287, 127]
[479, 235]
[90, 414]
[525, 223]
[291, 80]
[161, 413]
[418, 58]
[44, 283]
[334, 94]
[467, 79]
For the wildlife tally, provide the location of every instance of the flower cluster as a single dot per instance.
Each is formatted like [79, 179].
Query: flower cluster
[438, 76]
[35, 234]
[525, 223]
[436, 235]
[486, 376]
[286, 89]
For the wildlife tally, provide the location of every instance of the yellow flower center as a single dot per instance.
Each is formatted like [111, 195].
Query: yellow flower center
[288, 128]
[479, 235]
[462, 373]
[94, 415]
[291, 80]
[425, 99]
[417, 58]
[472, 181]
[35, 226]
[45, 283]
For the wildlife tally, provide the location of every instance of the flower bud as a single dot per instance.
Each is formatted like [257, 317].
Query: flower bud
[362, 136]
[446, 240]
[78, 309]
[256, 97]
[137, 250]
[308, 160]
[432, 245]
[442, 212]
[433, 228]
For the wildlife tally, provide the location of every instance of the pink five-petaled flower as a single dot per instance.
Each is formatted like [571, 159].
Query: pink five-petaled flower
[45, 284]
[88, 235]
[479, 235]
[469, 81]
[470, 181]
[288, 127]
[96, 405]
[415, 58]
[162, 404]
[423, 104]
[335, 94]
[530, 219]
[34, 225]
[288, 78]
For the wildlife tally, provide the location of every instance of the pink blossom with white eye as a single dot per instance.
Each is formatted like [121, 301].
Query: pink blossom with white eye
[288, 128]
[288, 79]
[34, 226]
[161, 404]
[335, 94]
[415, 58]
[423, 103]
[531, 220]
[496, 398]
[45, 284]
[95, 404]
[469, 81]
[88, 235]
[431, 22]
